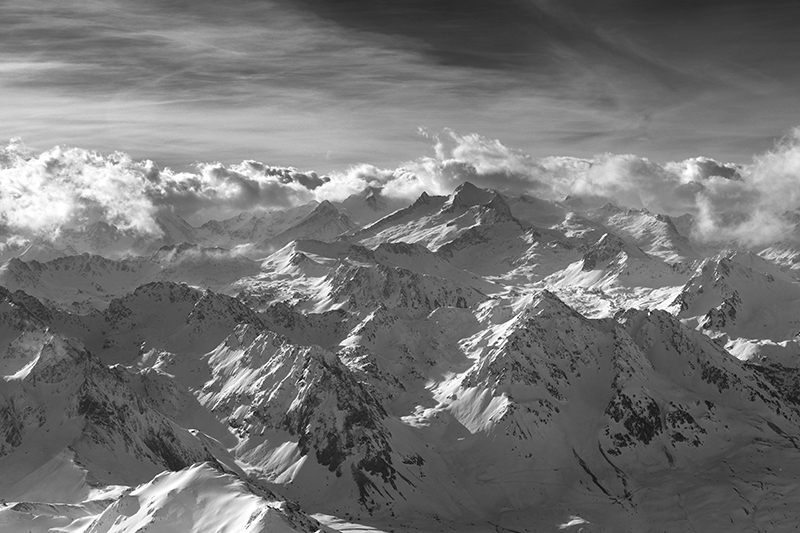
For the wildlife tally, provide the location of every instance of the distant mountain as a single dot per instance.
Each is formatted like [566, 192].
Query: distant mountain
[434, 221]
[741, 295]
[249, 228]
[656, 234]
[105, 239]
[85, 282]
[324, 223]
[369, 205]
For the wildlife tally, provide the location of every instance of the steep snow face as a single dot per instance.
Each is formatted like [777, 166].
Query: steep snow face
[69, 423]
[606, 404]
[718, 400]
[405, 355]
[327, 430]
[608, 247]
[655, 234]
[468, 195]
[314, 275]
[614, 275]
[425, 205]
[743, 296]
[436, 220]
[324, 223]
[361, 289]
[198, 499]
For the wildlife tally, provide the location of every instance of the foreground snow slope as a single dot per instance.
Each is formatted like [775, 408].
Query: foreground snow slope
[198, 499]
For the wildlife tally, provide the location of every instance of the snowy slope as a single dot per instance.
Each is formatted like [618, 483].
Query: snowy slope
[325, 433]
[742, 295]
[197, 499]
[70, 424]
[613, 274]
[434, 221]
[316, 277]
[655, 234]
[324, 223]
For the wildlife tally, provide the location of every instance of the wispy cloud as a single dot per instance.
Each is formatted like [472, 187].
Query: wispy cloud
[325, 84]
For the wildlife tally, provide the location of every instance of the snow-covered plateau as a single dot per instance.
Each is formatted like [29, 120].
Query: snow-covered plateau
[478, 361]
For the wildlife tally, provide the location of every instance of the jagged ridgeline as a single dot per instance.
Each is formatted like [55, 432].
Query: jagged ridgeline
[469, 362]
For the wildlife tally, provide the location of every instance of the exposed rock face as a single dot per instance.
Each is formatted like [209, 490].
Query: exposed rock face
[329, 413]
[66, 394]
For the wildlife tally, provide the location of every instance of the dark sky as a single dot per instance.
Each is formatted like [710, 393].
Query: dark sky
[326, 83]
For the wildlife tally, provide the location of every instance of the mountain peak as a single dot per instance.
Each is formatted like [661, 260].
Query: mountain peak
[423, 199]
[545, 304]
[606, 248]
[499, 205]
[372, 191]
[326, 207]
[468, 195]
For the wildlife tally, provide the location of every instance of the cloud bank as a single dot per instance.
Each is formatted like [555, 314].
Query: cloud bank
[752, 205]
[71, 188]
[44, 193]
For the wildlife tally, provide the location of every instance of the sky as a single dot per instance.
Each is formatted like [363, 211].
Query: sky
[326, 84]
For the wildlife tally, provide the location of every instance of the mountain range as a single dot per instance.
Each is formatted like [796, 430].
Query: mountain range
[477, 361]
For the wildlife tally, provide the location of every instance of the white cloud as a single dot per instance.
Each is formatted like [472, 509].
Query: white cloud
[749, 204]
[70, 187]
[752, 204]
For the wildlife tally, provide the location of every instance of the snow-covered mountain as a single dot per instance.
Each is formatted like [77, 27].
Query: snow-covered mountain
[201, 497]
[656, 234]
[325, 222]
[369, 205]
[71, 425]
[85, 282]
[466, 362]
[248, 228]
